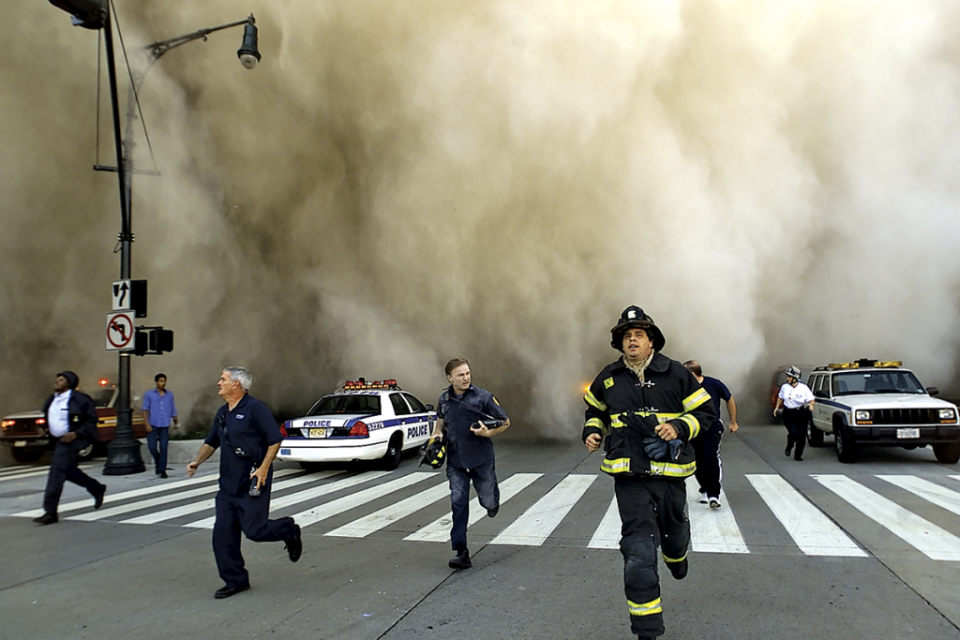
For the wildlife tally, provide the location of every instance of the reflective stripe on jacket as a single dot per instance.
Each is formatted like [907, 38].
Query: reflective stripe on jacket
[670, 393]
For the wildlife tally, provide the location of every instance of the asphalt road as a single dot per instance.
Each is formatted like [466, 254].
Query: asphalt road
[811, 549]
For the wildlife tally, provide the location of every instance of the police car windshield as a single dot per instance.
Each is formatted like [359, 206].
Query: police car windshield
[102, 397]
[353, 404]
[875, 381]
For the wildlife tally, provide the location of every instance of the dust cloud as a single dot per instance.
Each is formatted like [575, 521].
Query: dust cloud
[398, 184]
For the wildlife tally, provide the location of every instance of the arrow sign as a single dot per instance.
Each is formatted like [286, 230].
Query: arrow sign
[120, 331]
[121, 295]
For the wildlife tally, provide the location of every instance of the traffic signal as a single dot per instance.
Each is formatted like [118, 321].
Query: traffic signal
[152, 341]
[161, 340]
[140, 343]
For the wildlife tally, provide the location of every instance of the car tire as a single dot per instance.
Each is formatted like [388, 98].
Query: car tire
[311, 466]
[26, 456]
[814, 435]
[846, 447]
[391, 459]
[947, 453]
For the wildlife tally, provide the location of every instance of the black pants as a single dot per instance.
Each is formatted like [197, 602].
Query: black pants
[63, 467]
[709, 472]
[795, 420]
[652, 513]
[242, 513]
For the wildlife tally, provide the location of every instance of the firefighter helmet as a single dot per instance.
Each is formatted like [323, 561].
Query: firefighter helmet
[634, 317]
[434, 452]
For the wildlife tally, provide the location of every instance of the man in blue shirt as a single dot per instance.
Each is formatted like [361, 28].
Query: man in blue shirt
[248, 437]
[707, 444]
[471, 416]
[158, 411]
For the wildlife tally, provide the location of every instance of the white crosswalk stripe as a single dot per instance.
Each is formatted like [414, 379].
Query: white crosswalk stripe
[814, 533]
[538, 522]
[926, 537]
[314, 498]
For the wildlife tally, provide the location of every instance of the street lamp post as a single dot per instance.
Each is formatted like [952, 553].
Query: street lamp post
[123, 453]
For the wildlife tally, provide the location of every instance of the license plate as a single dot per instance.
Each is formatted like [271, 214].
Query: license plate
[285, 452]
[908, 433]
[318, 433]
[20, 443]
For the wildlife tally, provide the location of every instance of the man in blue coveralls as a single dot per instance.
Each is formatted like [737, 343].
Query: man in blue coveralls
[471, 416]
[248, 437]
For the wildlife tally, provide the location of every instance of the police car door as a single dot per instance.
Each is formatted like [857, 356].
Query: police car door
[421, 422]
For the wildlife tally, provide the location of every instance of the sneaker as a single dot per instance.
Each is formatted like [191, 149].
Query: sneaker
[715, 503]
[703, 497]
[462, 561]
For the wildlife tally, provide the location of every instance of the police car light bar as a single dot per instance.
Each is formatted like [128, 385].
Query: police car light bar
[353, 385]
[866, 362]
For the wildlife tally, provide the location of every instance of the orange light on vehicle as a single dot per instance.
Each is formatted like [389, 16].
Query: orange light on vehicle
[104, 382]
[40, 421]
[8, 423]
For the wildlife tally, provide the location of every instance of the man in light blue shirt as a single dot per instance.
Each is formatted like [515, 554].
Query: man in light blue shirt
[158, 412]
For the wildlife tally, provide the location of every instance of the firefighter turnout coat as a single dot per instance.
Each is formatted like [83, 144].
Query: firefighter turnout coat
[669, 393]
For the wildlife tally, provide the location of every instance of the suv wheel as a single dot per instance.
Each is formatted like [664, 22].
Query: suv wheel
[846, 447]
[947, 453]
[391, 459]
[814, 435]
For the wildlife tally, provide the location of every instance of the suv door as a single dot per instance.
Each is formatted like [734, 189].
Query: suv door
[822, 413]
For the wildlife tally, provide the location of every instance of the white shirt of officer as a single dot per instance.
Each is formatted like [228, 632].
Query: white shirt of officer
[58, 415]
[795, 397]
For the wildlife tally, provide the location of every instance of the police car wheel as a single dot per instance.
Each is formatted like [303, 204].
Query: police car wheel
[26, 456]
[947, 453]
[391, 459]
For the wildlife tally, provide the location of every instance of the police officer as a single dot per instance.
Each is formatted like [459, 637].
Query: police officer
[796, 401]
[248, 437]
[649, 408]
[471, 416]
[72, 420]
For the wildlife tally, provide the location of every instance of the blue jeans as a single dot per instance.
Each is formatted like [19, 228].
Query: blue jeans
[157, 443]
[484, 482]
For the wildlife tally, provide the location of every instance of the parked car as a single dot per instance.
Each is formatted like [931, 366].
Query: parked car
[876, 403]
[28, 436]
[359, 421]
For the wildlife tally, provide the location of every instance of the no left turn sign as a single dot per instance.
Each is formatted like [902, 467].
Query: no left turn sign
[120, 331]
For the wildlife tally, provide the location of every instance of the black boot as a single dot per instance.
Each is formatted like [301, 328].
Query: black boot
[462, 561]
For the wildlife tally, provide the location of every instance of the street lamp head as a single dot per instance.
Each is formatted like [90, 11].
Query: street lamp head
[248, 53]
[89, 14]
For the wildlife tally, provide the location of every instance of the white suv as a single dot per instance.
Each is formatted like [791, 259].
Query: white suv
[870, 402]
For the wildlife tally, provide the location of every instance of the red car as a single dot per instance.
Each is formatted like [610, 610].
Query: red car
[29, 438]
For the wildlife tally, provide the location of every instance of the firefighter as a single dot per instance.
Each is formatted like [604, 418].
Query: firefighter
[649, 408]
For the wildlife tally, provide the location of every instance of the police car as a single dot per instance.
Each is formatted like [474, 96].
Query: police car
[870, 402]
[359, 421]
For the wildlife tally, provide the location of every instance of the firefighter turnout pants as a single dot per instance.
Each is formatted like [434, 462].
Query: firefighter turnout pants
[652, 514]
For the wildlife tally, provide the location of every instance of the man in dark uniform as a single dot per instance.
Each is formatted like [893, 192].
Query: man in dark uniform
[706, 446]
[248, 437]
[471, 416]
[649, 408]
[72, 419]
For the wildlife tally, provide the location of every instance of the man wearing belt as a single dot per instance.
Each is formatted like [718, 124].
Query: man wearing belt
[72, 419]
[649, 408]
[796, 400]
[471, 416]
[158, 411]
[247, 435]
[706, 446]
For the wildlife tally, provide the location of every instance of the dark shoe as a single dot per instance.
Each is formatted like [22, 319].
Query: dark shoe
[98, 497]
[789, 448]
[47, 518]
[798, 458]
[462, 561]
[163, 474]
[226, 592]
[492, 513]
[679, 569]
[295, 544]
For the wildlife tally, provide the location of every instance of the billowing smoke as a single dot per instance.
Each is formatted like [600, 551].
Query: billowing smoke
[398, 184]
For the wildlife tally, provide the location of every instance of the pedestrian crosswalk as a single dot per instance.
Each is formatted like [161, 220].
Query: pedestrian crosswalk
[560, 509]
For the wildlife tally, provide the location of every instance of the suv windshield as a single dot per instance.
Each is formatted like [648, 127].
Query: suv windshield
[875, 382]
[367, 405]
